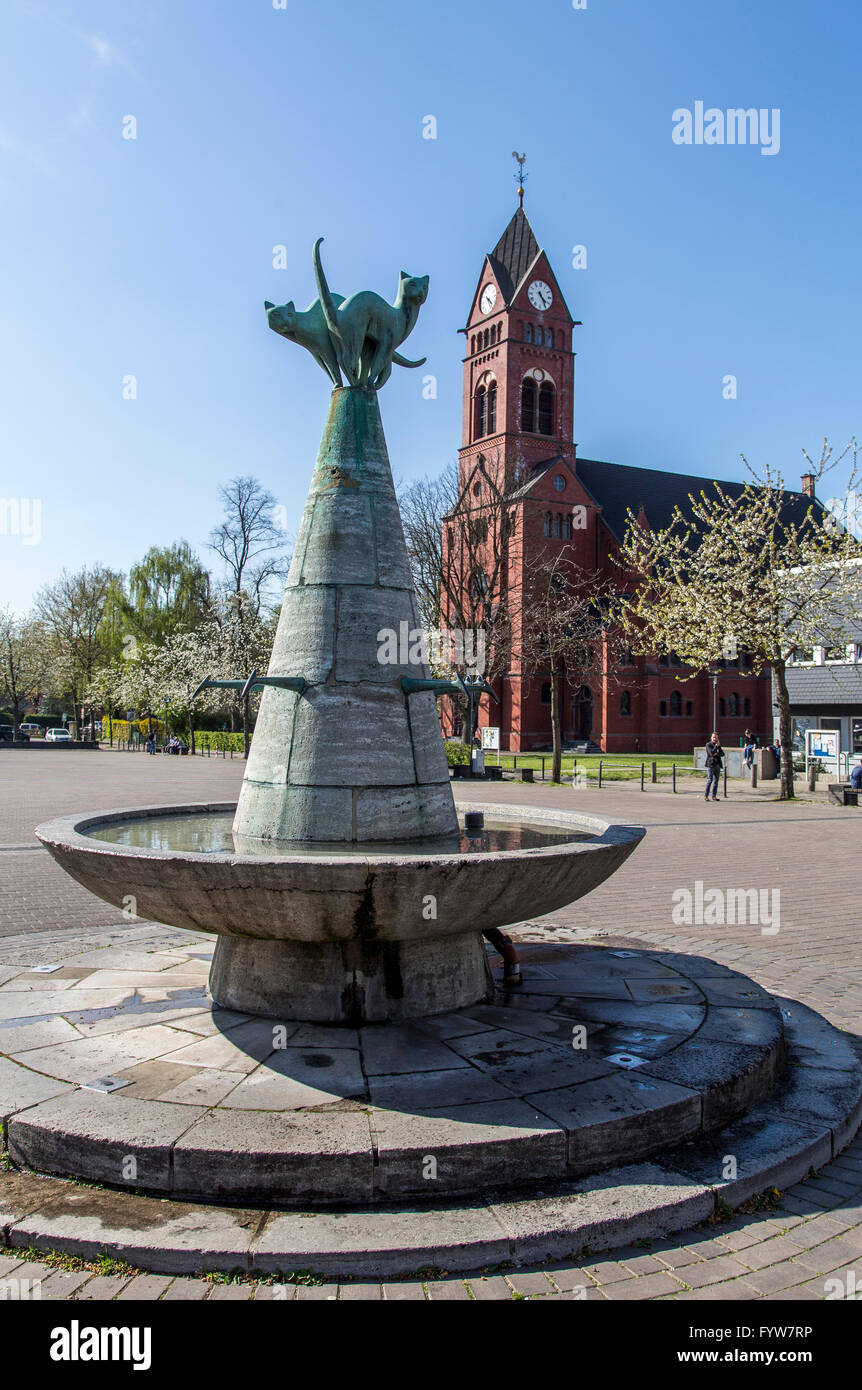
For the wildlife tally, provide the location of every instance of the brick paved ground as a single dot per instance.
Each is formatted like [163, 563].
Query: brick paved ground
[806, 850]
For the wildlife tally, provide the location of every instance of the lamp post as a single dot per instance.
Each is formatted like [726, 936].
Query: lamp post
[164, 745]
[714, 672]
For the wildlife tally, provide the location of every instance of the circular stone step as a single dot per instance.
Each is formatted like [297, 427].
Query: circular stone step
[601, 1057]
[810, 1116]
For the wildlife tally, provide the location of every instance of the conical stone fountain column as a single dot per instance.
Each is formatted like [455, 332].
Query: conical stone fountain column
[351, 758]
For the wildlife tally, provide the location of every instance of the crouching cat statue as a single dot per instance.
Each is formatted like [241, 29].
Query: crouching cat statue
[357, 336]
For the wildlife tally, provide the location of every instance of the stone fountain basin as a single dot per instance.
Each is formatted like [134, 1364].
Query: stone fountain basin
[345, 897]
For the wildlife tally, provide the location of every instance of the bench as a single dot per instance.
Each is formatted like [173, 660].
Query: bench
[843, 794]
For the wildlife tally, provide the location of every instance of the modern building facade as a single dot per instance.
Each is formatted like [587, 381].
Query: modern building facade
[825, 688]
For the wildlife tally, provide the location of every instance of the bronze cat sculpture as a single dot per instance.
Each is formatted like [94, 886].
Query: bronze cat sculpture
[357, 336]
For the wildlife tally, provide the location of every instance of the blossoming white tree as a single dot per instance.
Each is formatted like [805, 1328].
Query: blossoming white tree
[762, 572]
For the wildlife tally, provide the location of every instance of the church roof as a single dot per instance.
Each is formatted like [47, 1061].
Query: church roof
[618, 487]
[513, 255]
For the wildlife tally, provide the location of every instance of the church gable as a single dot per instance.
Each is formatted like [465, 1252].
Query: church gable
[489, 297]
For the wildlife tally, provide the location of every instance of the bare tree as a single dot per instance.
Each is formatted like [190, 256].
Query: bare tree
[424, 505]
[474, 578]
[248, 540]
[562, 630]
[71, 613]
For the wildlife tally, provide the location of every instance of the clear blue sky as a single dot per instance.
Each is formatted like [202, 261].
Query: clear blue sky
[260, 126]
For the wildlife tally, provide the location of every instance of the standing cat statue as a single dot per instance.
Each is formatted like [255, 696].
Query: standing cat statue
[308, 328]
[366, 330]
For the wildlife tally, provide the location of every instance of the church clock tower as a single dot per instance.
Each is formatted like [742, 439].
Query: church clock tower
[518, 389]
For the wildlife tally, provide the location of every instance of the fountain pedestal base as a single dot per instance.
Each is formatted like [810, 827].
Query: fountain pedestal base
[350, 982]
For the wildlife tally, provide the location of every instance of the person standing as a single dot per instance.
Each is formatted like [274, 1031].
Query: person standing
[714, 764]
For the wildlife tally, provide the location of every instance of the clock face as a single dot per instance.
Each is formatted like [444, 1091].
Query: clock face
[539, 295]
[489, 299]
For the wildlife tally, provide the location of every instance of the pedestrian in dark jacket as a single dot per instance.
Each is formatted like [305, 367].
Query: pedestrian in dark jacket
[714, 764]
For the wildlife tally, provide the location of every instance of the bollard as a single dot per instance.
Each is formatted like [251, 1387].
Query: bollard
[643, 769]
[600, 774]
[812, 779]
[673, 776]
[753, 776]
[526, 774]
[653, 772]
[543, 769]
[725, 780]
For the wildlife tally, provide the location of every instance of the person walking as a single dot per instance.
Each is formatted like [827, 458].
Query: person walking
[714, 764]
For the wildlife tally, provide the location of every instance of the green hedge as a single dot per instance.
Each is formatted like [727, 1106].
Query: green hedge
[457, 754]
[218, 740]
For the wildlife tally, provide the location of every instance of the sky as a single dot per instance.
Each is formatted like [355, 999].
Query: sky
[268, 123]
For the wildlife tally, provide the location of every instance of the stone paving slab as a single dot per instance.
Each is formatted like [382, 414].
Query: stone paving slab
[815, 958]
[211, 1103]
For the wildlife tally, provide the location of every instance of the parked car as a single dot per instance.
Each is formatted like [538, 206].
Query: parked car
[30, 728]
[6, 733]
[58, 736]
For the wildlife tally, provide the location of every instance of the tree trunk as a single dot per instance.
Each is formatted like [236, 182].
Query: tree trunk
[556, 738]
[785, 741]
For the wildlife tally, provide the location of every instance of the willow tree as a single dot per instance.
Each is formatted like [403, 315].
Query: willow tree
[765, 571]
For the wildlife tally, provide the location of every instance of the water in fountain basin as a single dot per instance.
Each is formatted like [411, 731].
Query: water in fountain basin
[211, 833]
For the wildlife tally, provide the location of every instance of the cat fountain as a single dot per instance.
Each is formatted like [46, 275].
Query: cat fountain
[341, 887]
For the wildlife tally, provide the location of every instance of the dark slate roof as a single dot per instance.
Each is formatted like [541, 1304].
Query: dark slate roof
[537, 471]
[513, 255]
[825, 685]
[618, 486]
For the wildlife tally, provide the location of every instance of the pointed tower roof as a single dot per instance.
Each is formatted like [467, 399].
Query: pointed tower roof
[513, 255]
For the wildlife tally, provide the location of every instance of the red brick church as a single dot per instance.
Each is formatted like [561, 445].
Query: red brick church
[518, 429]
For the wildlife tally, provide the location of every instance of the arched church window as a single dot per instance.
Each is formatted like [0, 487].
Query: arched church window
[546, 409]
[492, 408]
[625, 703]
[486, 337]
[546, 692]
[481, 412]
[549, 337]
[675, 702]
[733, 705]
[722, 709]
[499, 331]
[528, 332]
[567, 528]
[557, 520]
[746, 709]
[528, 407]
[473, 343]
[547, 523]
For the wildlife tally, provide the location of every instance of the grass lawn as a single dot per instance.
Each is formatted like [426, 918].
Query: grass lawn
[616, 767]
